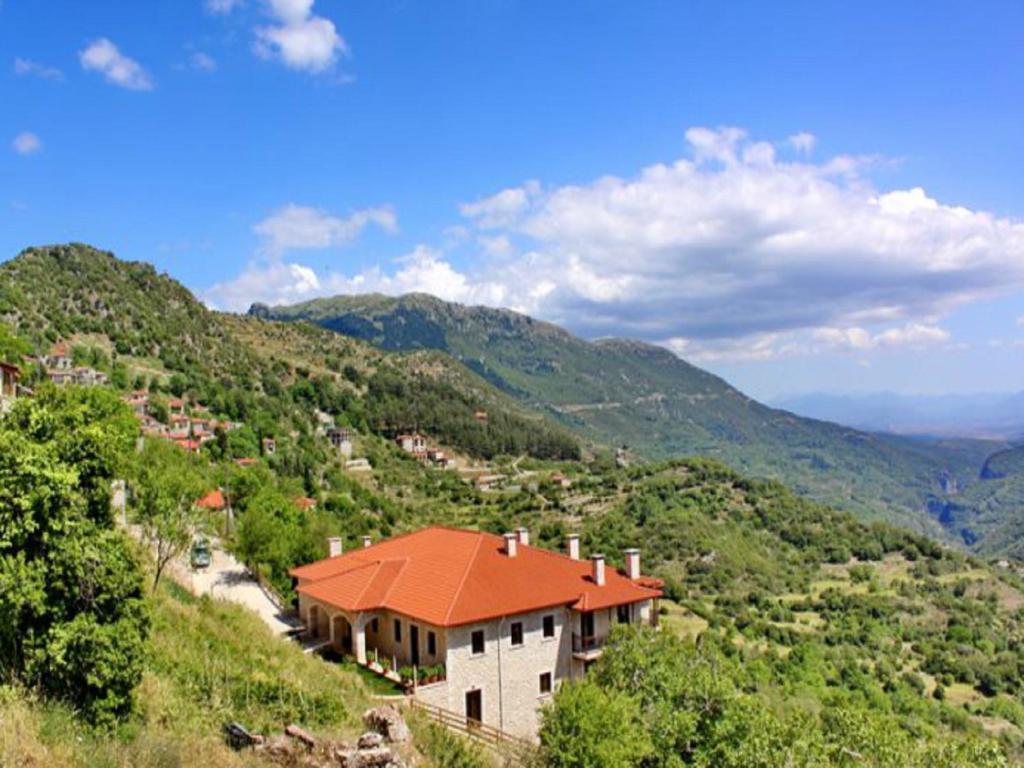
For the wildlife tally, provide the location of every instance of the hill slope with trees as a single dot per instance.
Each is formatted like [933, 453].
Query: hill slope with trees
[619, 392]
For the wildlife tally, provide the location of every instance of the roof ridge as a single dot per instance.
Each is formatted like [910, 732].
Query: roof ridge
[379, 564]
[404, 561]
[465, 575]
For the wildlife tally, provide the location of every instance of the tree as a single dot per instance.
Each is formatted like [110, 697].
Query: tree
[72, 614]
[587, 726]
[169, 481]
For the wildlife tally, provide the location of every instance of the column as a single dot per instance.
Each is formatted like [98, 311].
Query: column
[359, 638]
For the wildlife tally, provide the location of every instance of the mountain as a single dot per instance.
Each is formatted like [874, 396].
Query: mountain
[805, 613]
[998, 416]
[144, 328]
[622, 392]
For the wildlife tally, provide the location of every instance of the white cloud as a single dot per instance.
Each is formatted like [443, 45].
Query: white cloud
[221, 6]
[104, 57]
[29, 68]
[202, 62]
[26, 143]
[297, 227]
[802, 142]
[732, 243]
[423, 270]
[299, 38]
[728, 252]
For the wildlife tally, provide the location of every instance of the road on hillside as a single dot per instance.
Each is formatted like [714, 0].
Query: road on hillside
[227, 579]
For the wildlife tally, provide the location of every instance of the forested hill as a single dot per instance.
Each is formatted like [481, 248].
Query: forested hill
[625, 392]
[146, 329]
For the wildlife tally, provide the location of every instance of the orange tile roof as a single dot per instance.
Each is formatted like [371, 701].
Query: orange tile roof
[304, 502]
[448, 576]
[212, 500]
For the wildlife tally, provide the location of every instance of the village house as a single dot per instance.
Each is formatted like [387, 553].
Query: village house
[341, 439]
[506, 622]
[489, 482]
[413, 443]
[269, 446]
[59, 357]
[9, 375]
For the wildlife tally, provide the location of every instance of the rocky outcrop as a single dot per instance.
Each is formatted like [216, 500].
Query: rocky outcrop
[379, 747]
[389, 723]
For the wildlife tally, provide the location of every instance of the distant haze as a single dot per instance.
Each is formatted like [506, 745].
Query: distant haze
[991, 415]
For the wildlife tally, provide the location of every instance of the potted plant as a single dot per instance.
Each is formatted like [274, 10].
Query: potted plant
[406, 675]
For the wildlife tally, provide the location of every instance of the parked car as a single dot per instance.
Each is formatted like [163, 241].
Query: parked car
[200, 557]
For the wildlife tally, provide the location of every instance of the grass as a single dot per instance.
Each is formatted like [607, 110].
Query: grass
[210, 663]
[681, 621]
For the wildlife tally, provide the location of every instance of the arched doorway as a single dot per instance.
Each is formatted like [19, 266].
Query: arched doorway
[341, 633]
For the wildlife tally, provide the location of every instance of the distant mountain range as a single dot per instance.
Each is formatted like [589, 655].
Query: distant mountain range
[621, 392]
[995, 416]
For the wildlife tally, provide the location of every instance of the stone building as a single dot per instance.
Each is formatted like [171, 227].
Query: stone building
[508, 621]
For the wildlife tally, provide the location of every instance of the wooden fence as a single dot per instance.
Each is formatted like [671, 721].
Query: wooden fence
[488, 735]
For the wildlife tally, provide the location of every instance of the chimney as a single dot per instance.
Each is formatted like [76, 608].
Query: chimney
[633, 563]
[598, 562]
[524, 536]
[334, 546]
[573, 545]
[367, 541]
[511, 544]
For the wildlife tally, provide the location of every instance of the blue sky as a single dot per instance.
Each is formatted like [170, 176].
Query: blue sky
[800, 196]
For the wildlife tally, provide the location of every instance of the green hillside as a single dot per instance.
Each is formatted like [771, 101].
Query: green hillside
[811, 619]
[145, 328]
[621, 392]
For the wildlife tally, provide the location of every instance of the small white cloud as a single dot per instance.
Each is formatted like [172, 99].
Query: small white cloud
[297, 226]
[802, 142]
[202, 62]
[503, 208]
[299, 38]
[104, 57]
[221, 6]
[29, 68]
[26, 143]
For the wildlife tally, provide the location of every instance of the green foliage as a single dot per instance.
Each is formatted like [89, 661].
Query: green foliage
[72, 616]
[688, 705]
[591, 726]
[444, 749]
[168, 481]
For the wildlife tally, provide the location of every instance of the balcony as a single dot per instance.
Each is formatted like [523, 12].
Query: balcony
[587, 647]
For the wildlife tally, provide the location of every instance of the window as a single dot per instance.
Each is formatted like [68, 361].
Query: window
[478, 642]
[623, 614]
[516, 631]
[549, 626]
[545, 683]
[431, 643]
[374, 626]
[398, 631]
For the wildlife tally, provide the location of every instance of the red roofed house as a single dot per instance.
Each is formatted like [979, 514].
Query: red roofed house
[60, 356]
[509, 621]
[214, 501]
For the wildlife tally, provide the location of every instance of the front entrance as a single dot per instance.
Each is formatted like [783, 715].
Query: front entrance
[474, 707]
[414, 644]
